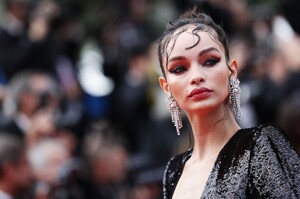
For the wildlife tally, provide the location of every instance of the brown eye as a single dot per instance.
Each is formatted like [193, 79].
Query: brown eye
[178, 69]
[211, 61]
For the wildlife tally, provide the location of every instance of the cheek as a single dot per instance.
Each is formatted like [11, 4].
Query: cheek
[177, 87]
[222, 83]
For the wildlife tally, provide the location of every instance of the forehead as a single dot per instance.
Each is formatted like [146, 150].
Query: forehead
[184, 40]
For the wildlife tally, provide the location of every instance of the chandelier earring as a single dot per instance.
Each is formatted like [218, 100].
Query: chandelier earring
[175, 112]
[234, 97]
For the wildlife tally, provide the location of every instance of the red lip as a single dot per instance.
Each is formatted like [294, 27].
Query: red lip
[200, 93]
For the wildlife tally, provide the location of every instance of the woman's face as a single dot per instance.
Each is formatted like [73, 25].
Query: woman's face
[198, 77]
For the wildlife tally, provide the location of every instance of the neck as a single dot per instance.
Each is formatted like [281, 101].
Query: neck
[212, 131]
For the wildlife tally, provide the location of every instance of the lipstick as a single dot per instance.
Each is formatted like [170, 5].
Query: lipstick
[199, 93]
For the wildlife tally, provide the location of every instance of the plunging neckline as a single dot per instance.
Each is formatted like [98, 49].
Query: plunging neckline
[241, 167]
[189, 153]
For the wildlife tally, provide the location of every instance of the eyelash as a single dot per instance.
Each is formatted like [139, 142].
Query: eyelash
[178, 69]
[211, 61]
[182, 68]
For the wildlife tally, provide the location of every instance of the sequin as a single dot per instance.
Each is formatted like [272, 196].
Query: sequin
[257, 162]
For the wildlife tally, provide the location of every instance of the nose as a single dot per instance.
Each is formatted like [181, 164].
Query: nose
[197, 74]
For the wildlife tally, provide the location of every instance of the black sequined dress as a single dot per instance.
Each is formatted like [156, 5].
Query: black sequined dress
[255, 163]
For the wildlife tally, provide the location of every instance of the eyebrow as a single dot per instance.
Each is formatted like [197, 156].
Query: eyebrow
[200, 54]
[176, 59]
[207, 50]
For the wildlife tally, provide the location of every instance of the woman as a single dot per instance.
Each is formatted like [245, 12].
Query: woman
[226, 161]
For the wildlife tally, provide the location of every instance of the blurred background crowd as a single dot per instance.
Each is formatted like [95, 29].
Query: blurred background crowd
[82, 115]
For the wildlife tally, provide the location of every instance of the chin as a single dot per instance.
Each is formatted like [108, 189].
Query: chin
[204, 108]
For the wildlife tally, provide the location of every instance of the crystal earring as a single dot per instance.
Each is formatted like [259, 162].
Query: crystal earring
[175, 112]
[234, 98]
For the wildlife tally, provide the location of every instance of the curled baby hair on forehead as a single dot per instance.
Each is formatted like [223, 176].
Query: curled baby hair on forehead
[191, 18]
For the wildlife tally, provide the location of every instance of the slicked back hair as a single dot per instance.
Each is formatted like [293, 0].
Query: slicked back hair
[200, 22]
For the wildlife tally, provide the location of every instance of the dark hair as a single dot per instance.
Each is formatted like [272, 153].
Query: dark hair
[201, 21]
[11, 149]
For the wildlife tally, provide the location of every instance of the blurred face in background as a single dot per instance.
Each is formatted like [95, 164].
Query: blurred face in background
[40, 92]
[23, 174]
[19, 8]
[110, 167]
[48, 159]
[18, 174]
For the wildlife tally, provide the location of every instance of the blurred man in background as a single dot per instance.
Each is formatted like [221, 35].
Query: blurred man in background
[107, 163]
[15, 174]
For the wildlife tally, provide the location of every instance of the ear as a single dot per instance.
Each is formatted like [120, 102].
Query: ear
[164, 85]
[233, 66]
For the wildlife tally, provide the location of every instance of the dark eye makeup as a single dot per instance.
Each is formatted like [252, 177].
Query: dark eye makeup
[178, 69]
[211, 61]
[180, 64]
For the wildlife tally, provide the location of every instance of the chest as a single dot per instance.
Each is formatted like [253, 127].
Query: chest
[193, 180]
[223, 178]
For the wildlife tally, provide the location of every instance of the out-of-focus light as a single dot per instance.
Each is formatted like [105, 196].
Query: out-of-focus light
[90, 73]
[282, 29]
